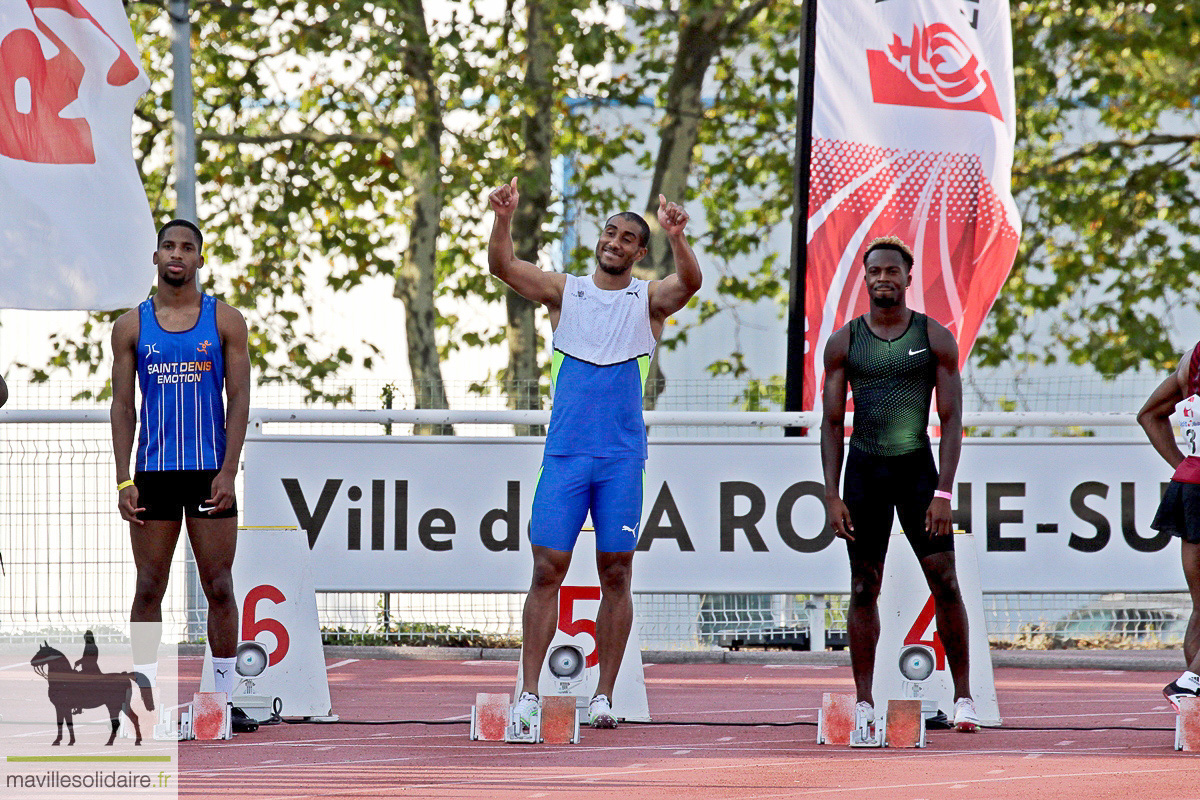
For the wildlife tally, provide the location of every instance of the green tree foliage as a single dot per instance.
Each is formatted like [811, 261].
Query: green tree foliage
[1106, 177]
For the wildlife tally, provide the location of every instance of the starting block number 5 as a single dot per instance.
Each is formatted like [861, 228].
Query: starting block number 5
[572, 626]
[252, 625]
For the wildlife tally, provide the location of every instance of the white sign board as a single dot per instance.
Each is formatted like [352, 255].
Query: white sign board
[450, 514]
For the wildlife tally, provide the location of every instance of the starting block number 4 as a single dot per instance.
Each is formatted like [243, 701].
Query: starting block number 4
[903, 725]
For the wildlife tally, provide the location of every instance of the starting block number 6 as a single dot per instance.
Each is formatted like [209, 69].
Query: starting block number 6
[569, 624]
[252, 625]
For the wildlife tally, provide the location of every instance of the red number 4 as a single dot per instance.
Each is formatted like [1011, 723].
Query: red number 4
[925, 621]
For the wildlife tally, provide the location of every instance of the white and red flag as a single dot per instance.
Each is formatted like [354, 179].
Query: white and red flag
[75, 227]
[912, 135]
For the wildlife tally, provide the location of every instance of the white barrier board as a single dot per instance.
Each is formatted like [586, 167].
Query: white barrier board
[450, 514]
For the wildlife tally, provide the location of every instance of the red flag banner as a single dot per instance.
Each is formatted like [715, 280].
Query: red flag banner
[75, 227]
[912, 136]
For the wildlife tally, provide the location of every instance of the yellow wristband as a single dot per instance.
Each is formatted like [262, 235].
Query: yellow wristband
[124, 485]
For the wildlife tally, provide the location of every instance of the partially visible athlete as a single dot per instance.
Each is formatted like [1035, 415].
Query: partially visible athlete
[183, 349]
[1179, 510]
[606, 326]
[893, 358]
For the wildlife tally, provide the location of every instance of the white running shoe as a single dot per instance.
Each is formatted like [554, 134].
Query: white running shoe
[525, 711]
[965, 718]
[600, 713]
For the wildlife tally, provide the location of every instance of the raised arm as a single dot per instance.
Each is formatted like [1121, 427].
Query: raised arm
[1155, 416]
[672, 292]
[948, 386]
[236, 355]
[833, 431]
[122, 414]
[524, 278]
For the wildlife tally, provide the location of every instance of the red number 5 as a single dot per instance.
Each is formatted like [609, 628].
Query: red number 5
[251, 626]
[567, 595]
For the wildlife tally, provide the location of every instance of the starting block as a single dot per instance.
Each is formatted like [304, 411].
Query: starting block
[904, 724]
[1187, 725]
[208, 717]
[558, 722]
[835, 720]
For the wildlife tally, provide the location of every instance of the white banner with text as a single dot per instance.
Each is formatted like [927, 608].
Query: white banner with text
[450, 514]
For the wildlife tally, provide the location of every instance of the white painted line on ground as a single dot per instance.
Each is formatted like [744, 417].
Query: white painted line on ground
[341, 664]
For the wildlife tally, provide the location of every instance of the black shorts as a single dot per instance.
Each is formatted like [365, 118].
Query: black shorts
[172, 494]
[877, 488]
[1179, 511]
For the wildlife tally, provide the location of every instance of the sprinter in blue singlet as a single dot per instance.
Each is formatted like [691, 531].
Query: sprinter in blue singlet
[605, 328]
[187, 353]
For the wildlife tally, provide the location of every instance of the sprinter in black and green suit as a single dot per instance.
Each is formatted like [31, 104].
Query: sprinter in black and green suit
[892, 359]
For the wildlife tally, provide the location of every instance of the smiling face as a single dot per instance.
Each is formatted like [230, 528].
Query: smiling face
[887, 278]
[620, 246]
[178, 256]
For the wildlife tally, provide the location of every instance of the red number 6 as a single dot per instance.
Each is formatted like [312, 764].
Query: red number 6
[251, 626]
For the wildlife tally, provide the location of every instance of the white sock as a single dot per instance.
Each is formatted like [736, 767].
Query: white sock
[1189, 680]
[224, 675]
[150, 671]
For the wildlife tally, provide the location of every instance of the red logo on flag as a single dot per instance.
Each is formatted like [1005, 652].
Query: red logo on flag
[936, 69]
[34, 91]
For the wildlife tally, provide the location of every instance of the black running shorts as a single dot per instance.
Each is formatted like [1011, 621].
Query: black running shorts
[172, 494]
[877, 488]
[1179, 511]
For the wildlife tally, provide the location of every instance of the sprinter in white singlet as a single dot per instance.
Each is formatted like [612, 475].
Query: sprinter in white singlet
[605, 328]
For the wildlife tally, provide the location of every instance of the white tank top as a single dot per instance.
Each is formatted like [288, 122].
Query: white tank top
[602, 326]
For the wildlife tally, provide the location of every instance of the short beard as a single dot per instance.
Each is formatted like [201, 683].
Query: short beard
[176, 282]
[613, 270]
[886, 302]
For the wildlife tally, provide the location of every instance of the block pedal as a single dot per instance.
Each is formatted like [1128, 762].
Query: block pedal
[835, 720]
[1187, 725]
[210, 716]
[560, 721]
[904, 724]
[489, 717]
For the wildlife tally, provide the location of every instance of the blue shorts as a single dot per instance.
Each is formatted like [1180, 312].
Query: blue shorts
[569, 486]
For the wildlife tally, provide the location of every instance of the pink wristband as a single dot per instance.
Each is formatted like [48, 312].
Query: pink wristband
[943, 495]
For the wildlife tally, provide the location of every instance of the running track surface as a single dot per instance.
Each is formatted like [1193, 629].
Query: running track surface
[694, 762]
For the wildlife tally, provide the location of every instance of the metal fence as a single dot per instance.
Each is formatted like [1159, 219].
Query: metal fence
[66, 558]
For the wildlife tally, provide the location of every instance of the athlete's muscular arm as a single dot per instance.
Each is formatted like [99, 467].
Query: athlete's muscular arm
[833, 431]
[123, 412]
[1155, 416]
[948, 385]
[232, 329]
[524, 278]
[673, 292]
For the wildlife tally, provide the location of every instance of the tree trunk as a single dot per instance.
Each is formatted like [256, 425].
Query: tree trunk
[701, 36]
[415, 276]
[537, 124]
